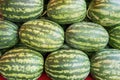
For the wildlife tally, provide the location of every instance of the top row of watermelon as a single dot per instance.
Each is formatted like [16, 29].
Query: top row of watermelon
[104, 12]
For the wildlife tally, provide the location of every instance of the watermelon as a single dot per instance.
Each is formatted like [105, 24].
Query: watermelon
[104, 12]
[69, 64]
[66, 11]
[8, 34]
[21, 64]
[87, 36]
[21, 10]
[105, 65]
[115, 37]
[42, 35]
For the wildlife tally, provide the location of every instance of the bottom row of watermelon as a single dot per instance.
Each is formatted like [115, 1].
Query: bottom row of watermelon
[65, 64]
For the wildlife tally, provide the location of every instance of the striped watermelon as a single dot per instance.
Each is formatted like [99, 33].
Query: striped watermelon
[8, 34]
[115, 37]
[42, 35]
[21, 10]
[67, 65]
[105, 12]
[87, 36]
[21, 64]
[105, 65]
[66, 11]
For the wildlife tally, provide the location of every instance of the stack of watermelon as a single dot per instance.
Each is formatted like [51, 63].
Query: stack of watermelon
[59, 39]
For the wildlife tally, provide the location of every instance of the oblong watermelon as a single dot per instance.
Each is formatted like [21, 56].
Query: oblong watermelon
[66, 11]
[21, 10]
[67, 65]
[8, 34]
[21, 64]
[87, 36]
[105, 12]
[115, 37]
[42, 35]
[105, 65]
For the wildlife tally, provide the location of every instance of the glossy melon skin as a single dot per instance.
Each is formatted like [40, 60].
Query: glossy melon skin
[8, 34]
[66, 11]
[42, 35]
[87, 36]
[67, 64]
[21, 64]
[104, 12]
[115, 37]
[105, 65]
[21, 10]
